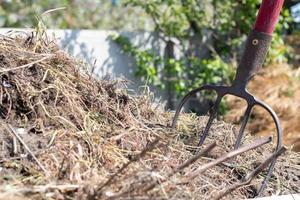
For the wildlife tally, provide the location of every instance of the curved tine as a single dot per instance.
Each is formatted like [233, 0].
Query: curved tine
[275, 119]
[210, 120]
[185, 98]
[243, 126]
[279, 143]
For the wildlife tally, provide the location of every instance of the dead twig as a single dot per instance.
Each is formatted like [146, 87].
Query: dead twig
[26, 65]
[12, 158]
[183, 165]
[11, 130]
[42, 188]
[249, 177]
[227, 156]
[15, 146]
[148, 148]
[53, 10]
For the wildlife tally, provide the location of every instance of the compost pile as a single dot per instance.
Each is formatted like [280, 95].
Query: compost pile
[67, 135]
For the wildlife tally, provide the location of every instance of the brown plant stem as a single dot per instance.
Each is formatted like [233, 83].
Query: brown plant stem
[227, 156]
[183, 165]
[148, 148]
[249, 177]
[11, 130]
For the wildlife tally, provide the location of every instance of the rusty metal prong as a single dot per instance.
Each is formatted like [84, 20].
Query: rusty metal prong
[243, 126]
[210, 120]
[185, 98]
[278, 146]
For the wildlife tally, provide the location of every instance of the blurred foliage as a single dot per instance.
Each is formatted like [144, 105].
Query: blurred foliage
[221, 27]
[228, 21]
[87, 14]
[152, 68]
[173, 74]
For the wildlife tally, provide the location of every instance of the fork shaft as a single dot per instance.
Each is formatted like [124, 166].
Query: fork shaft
[258, 42]
[256, 49]
[268, 16]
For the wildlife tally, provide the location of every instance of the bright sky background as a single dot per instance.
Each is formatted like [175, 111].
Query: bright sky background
[296, 12]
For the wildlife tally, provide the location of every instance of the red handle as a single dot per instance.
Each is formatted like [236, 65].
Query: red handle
[268, 16]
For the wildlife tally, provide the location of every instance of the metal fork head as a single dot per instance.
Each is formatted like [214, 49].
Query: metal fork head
[240, 91]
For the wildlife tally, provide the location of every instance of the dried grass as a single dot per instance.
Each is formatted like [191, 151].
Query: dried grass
[83, 130]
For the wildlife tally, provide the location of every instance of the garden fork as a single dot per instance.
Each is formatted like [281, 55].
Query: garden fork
[255, 51]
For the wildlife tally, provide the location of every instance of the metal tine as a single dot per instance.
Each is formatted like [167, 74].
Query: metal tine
[278, 146]
[210, 120]
[275, 119]
[221, 92]
[279, 136]
[243, 126]
[184, 100]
